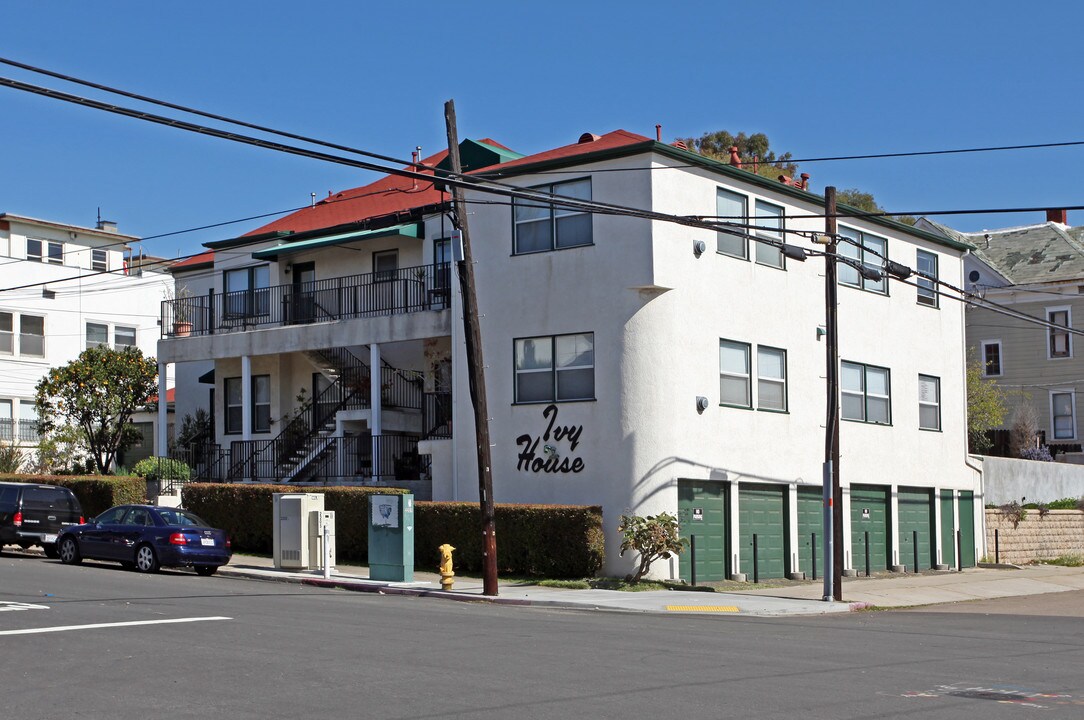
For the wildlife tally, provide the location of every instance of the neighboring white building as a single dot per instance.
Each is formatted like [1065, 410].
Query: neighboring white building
[601, 334]
[90, 296]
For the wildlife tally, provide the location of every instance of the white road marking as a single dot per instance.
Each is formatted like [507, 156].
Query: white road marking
[96, 626]
[10, 606]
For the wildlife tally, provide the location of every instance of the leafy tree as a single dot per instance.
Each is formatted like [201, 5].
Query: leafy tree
[97, 393]
[60, 453]
[654, 537]
[985, 407]
[864, 201]
[717, 145]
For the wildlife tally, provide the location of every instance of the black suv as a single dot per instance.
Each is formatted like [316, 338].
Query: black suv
[34, 514]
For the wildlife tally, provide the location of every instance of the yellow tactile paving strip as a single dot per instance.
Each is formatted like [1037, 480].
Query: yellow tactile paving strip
[702, 608]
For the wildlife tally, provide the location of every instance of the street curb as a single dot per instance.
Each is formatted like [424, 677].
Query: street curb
[998, 566]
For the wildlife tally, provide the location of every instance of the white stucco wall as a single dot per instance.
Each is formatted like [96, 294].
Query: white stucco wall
[1024, 481]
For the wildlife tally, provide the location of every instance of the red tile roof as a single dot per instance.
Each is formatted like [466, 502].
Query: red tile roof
[609, 141]
[171, 395]
[204, 258]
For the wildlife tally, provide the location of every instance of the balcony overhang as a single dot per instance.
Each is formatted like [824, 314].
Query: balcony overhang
[407, 230]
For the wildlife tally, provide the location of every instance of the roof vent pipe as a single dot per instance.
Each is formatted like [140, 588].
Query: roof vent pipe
[587, 137]
[658, 132]
[414, 164]
[1058, 216]
[735, 158]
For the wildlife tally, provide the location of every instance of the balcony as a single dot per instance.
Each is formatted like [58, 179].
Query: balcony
[389, 292]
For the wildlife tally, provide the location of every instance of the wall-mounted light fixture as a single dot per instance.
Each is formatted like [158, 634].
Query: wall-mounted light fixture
[288, 268]
[699, 247]
[701, 404]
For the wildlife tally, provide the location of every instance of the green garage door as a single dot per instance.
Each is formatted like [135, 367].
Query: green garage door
[967, 528]
[810, 525]
[763, 512]
[869, 519]
[702, 515]
[948, 533]
[916, 527]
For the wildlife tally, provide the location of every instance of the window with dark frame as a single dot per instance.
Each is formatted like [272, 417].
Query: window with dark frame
[735, 208]
[7, 333]
[233, 406]
[1060, 344]
[929, 402]
[541, 226]
[866, 393]
[926, 263]
[871, 251]
[124, 336]
[1063, 415]
[261, 405]
[32, 335]
[247, 292]
[99, 260]
[769, 222]
[555, 368]
[97, 335]
[991, 358]
[735, 374]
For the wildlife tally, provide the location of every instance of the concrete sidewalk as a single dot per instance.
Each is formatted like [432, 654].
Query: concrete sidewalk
[803, 599]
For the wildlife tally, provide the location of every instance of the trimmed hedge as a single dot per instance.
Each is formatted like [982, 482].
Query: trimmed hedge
[96, 493]
[553, 541]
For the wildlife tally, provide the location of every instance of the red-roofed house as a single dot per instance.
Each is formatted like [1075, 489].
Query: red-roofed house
[631, 363]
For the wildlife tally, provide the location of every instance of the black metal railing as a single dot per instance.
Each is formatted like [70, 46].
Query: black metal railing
[362, 458]
[437, 415]
[401, 388]
[387, 292]
[7, 429]
[28, 431]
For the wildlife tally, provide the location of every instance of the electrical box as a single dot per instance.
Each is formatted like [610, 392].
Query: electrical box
[391, 537]
[292, 535]
[318, 519]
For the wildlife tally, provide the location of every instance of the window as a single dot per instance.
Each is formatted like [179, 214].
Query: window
[7, 334]
[261, 404]
[866, 391]
[736, 376]
[1060, 345]
[247, 293]
[735, 208]
[28, 421]
[7, 421]
[560, 367]
[99, 260]
[869, 250]
[32, 335]
[991, 358]
[929, 402]
[769, 216]
[927, 287]
[771, 379]
[97, 335]
[1063, 414]
[541, 226]
[124, 336]
[53, 251]
[385, 265]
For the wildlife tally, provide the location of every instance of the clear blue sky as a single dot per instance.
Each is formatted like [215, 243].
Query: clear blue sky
[834, 78]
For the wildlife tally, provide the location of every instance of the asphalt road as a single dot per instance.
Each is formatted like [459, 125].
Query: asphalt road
[175, 645]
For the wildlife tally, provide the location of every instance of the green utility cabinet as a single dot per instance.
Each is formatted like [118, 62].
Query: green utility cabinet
[702, 517]
[391, 537]
[869, 519]
[762, 512]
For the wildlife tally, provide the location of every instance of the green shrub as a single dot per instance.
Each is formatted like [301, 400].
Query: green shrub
[96, 493]
[11, 458]
[162, 468]
[539, 540]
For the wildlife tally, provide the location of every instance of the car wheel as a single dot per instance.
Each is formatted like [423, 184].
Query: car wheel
[68, 550]
[145, 559]
[206, 570]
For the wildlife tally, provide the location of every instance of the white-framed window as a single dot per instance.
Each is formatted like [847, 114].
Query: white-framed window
[1059, 342]
[7, 333]
[261, 403]
[736, 375]
[735, 208]
[866, 393]
[991, 358]
[870, 250]
[1063, 414]
[45, 251]
[926, 264]
[540, 226]
[769, 222]
[247, 293]
[97, 335]
[929, 402]
[385, 265]
[555, 368]
[99, 260]
[234, 406]
[32, 335]
[124, 336]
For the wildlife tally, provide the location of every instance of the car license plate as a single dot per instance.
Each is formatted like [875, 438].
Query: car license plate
[207, 541]
[48, 538]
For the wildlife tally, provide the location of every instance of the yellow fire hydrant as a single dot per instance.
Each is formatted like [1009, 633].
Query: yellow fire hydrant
[447, 575]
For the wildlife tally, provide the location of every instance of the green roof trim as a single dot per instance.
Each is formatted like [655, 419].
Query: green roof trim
[408, 230]
[246, 239]
[693, 158]
[474, 154]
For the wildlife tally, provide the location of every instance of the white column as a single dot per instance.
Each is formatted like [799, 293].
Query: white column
[163, 423]
[375, 403]
[246, 397]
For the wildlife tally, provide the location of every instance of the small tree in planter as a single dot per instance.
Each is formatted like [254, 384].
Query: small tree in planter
[654, 537]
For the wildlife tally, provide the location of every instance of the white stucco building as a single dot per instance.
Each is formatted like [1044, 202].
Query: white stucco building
[601, 334]
[66, 288]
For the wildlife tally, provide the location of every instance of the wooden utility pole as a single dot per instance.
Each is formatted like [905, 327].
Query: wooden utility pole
[475, 366]
[833, 493]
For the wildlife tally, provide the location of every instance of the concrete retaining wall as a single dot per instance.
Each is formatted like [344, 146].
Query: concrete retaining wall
[1060, 532]
[1007, 480]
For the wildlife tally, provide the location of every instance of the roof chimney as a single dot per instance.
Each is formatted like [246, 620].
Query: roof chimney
[107, 225]
[735, 158]
[658, 132]
[1058, 216]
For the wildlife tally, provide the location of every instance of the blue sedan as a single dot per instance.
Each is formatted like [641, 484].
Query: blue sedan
[144, 538]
